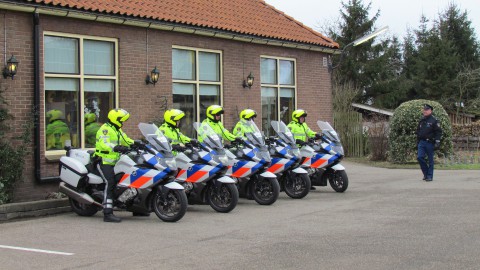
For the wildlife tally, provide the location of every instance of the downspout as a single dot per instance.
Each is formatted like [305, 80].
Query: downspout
[36, 100]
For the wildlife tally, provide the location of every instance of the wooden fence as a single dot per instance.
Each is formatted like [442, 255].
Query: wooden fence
[466, 143]
[349, 127]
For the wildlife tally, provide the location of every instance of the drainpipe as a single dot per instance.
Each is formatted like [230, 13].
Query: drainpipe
[36, 100]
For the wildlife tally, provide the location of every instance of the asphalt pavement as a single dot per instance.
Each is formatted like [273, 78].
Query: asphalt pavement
[387, 219]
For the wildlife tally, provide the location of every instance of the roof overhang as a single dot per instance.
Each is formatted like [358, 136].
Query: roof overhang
[372, 109]
[159, 25]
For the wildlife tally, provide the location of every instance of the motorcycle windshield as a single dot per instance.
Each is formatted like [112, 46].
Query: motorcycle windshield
[328, 131]
[255, 135]
[155, 137]
[283, 132]
[207, 135]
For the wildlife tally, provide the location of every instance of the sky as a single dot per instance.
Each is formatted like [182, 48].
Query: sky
[397, 15]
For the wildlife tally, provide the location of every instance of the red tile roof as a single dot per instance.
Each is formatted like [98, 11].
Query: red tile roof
[250, 17]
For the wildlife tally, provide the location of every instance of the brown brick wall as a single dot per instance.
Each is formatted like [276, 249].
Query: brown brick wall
[141, 100]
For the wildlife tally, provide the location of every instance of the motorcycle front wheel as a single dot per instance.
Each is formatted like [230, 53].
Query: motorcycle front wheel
[170, 207]
[297, 186]
[223, 198]
[338, 181]
[265, 190]
[84, 210]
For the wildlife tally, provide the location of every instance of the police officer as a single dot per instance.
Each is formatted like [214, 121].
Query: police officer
[214, 114]
[171, 127]
[110, 141]
[91, 129]
[299, 128]
[244, 125]
[428, 138]
[57, 131]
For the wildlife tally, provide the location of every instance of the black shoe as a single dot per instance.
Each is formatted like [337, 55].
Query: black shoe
[111, 218]
[424, 178]
[428, 179]
[138, 214]
[313, 188]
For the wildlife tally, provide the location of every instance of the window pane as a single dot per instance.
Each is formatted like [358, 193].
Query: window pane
[61, 113]
[209, 66]
[183, 64]
[209, 95]
[98, 102]
[287, 104]
[98, 57]
[268, 71]
[286, 72]
[184, 99]
[61, 55]
[269, 109]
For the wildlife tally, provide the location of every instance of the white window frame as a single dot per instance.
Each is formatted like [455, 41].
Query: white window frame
[81, 77]
[197, 82]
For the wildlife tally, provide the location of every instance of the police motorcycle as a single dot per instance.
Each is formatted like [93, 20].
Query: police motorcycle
[286, 162]
[145, 177]
[322, 159]
[249, 161]
[202, 170]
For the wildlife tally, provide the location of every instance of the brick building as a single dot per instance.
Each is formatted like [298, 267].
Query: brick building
[83, 58]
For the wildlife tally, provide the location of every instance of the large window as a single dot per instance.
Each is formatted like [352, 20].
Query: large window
[278, 90]
[197, 83]
[80, 84]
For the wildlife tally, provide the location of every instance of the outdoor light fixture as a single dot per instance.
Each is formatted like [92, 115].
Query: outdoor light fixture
[356, 43]
[249, 81]
[153, 77]
[11, 68]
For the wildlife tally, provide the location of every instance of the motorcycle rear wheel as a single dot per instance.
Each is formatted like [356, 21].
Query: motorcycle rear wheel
[265, 191]
[338, 181]
[297, 186]
[224, 198]
[172, 206]
[84, 210]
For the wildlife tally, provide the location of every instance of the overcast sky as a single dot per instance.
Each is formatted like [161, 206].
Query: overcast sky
[397, 15]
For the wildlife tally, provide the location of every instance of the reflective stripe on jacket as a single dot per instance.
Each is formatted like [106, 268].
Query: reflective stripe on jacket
[301, 131]
[174, 134]
[108, 136]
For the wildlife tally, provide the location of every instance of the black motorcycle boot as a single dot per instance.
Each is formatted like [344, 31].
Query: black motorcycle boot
[108, 216]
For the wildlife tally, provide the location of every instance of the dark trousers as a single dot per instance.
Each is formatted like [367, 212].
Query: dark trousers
[425, 149]
[109, 174]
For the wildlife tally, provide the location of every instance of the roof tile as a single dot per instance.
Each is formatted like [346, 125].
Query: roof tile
[250, 17]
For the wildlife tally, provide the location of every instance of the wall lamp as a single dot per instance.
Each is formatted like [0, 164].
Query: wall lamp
[153, 77]
[11, 68]
[249, 81]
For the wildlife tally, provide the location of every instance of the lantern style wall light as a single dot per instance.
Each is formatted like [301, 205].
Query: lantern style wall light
[249, 81]
[11, 68]
[153, 77]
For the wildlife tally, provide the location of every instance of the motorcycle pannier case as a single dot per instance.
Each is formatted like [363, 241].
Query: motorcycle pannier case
[72, 170]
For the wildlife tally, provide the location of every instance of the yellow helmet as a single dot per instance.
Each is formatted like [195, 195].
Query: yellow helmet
[53, 115]
[173, 116]
[118, 116]
[297, 114]
[90, 118]
[248, 114]
[214, 110]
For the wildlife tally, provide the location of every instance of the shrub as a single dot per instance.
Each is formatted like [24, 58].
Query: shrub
[403, 130]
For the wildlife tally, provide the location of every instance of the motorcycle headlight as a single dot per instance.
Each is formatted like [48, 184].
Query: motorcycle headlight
[171, 163]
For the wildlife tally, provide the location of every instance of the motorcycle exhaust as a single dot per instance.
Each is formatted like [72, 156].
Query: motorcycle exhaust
[79, 197]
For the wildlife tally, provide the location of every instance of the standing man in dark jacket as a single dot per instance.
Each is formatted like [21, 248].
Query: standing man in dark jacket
[428, 138]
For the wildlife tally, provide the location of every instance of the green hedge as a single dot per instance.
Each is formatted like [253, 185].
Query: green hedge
[403, 128]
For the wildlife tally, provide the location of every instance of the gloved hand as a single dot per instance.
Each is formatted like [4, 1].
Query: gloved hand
[194, 142]
[437, 145]
[138, 142]
[318, 136]
[238, 140]
[300, 142]
[121, 149]
[177, 147]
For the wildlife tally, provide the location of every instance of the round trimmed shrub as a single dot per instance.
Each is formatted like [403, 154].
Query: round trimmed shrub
[403, 130]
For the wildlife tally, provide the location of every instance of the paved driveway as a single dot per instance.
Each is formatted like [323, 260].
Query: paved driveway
[387, 219]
